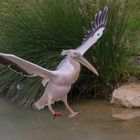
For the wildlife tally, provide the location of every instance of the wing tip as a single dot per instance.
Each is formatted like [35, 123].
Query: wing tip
[100, 21]
[12, 66]
[101, 18]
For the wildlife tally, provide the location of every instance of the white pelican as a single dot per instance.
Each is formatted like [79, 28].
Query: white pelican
[60, 80]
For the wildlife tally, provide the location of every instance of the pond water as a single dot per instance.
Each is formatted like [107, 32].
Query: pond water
[97, 121]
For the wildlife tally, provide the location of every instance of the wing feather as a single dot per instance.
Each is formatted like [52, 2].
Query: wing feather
[100, 22]
[23, 67]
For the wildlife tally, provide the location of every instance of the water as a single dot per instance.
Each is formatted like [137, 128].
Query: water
[97, 121]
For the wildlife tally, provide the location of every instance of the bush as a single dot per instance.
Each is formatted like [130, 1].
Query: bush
[38, 30]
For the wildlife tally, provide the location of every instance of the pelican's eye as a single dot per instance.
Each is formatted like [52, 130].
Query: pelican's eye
[98, 34]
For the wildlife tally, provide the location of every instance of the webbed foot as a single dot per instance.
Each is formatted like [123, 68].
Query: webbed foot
[74, 114]
[57, 114]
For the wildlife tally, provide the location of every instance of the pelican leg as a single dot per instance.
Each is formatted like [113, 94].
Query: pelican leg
[40, 104]
[55, 114]
[72, 113]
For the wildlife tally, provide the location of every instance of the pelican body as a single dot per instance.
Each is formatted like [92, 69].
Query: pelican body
[58, 87]
[58, 83]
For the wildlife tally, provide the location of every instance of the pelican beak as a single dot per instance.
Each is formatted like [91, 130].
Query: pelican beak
[84, 62]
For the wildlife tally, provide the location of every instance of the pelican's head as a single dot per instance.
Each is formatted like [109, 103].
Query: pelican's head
[75, 55]
[71, 53]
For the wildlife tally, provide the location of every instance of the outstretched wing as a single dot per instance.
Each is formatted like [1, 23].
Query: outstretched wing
[96, 31]
[91, 36]
[100, 22]
[23, 67]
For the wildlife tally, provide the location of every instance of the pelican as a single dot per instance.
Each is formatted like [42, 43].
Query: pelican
[58, 82]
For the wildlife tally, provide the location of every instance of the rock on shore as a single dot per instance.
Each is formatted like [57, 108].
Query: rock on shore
[127, 95]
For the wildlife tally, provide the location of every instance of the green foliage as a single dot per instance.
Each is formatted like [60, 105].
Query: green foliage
[37, 30]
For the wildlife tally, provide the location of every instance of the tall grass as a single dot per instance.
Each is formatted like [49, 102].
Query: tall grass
[38, 30]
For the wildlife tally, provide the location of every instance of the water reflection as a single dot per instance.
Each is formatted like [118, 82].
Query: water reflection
[94, 122]
[125, 114]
